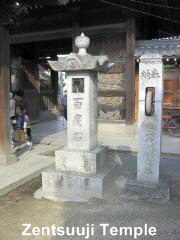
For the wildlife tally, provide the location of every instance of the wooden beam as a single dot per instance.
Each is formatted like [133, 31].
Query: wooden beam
[6, 156]
[62, 15]
[66, 33]
[130, 71]
[41, 36]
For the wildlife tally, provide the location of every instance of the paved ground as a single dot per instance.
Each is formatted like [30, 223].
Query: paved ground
[55, 131]
[30, 164]
[49, 136]
[19, 207]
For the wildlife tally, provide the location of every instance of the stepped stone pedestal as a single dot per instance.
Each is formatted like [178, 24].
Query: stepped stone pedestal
[82, 170]
[89, 175]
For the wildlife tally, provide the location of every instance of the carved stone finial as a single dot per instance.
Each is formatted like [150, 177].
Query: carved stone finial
[82, 43]
[81, 60]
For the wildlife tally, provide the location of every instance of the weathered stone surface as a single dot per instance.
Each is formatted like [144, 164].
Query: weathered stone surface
[87, 162]
[149, 127]
[151, 75]
[144, 190]
[149, 144]
[70, 186]
[74, 62]
[81, 60]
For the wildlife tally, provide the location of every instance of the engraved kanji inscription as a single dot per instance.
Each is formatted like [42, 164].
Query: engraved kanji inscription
[77, 121]
[78, 136]
[78, 102]
[150, 74]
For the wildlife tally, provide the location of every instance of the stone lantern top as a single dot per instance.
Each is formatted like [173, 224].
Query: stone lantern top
[82, 43]
[81, 60]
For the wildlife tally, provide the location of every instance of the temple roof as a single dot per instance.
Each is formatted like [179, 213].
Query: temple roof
[164, 47]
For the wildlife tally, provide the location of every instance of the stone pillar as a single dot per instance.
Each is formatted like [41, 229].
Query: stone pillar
[149, 125]
[82, 170]
[6, 156]
[148, 184]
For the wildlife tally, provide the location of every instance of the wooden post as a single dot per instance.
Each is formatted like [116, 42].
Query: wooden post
[54, 81]
[6, 157]
[130, 71]
[75, 26]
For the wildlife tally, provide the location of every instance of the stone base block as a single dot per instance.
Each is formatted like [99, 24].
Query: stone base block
[70, 186]
[86, 162]
[137, 190]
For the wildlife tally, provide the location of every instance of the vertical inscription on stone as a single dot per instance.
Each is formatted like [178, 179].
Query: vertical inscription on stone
[78, 136]
[77, 119]
[148, 154]
[149, 127]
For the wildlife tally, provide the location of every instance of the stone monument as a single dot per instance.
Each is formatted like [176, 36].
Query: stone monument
[82, 168]
[149, 119]
[148, 184]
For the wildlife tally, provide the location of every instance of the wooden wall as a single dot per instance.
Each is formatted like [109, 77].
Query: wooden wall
[112, 85]
[171, 88]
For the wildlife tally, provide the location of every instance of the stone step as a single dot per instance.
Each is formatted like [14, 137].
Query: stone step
[77, 187]
[86, 162]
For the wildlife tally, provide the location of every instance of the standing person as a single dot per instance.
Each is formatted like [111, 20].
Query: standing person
[23, 104]
[22, 128]
[64, 103]
[19, 126]
[20, 100]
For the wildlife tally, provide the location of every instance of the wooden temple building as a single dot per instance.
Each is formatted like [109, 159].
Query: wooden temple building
[33, 31]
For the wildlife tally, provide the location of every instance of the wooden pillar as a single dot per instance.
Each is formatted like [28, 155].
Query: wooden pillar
[130, 71]
[6, 157]
[54, 81]
[75, 26]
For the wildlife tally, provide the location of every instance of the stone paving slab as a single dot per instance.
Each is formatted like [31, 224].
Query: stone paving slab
[30, 165]
[22, 172]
